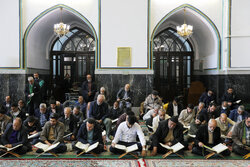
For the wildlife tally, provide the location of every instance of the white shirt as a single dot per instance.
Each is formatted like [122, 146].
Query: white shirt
[156, 121]
[175, 110]
[148, 114]
[126, 134]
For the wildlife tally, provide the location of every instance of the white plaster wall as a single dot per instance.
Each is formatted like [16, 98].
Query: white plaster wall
[124, 24]
[37, 50]
[213, 9]
[240, 34]
[9, 46]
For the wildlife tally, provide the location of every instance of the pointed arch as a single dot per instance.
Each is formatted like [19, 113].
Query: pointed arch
[34, 21]
[205, 18]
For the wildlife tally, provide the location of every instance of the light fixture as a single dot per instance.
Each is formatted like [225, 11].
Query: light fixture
[61, 29]
[185, 30]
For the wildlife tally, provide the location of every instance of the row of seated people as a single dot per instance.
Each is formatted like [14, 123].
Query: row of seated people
[168, 132]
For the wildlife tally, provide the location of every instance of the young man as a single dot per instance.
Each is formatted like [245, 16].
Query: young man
[126, 135]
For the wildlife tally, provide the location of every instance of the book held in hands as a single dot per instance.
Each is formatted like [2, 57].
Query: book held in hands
[86, 147]
[9, 149]
[218, 148]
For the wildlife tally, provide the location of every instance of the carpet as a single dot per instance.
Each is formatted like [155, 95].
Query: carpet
[68, 163]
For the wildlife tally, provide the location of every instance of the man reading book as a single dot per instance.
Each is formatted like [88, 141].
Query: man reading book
[241, 137]
[52, 133]
[14, 135]
[90, 132]
[126, 135]
[169, 132]
[208, 135]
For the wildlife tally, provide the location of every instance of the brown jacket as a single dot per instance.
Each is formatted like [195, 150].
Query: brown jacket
[58, 133]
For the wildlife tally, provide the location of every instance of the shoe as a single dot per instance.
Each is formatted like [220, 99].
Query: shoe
[39, 151]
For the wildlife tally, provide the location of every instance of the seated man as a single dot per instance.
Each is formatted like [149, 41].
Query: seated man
[14, 135]
[231, 98]
[123, 117]
[70, 124]
[238, 115]
[169, 132]
[210, 112]
[90, 132]
[207, 97]
[187, 115]
[14, 112]
[241, 137]
[42, 114]
[7, 104]
[82, 104]
[224, 108]
[194, 126]
[126, 135]
[4, 120]
[32, 126]
[78, 115]
[208, 135]
[99, 111]
[103, 92]
[160, 117]
[174, 108]
[53, 108]
[152, 100]
[52, 133]
[125, 97]
[225, 124]
[148, 117]
[115, 111]
[22, 106]
[198, 109]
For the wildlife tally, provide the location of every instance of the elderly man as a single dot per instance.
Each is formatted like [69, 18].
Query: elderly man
[207, 97]
[126, 135]
[14, 135]
[42, 114]
[99, 111]
[152, 100]
[70, 124]
[7, 104]
[198, 109]
[4, 120]
[78, 115]
[187, 115]
[160, 117]
[125, 97]
[208, 135]
[241, 137]
[225, 124]
[32, 93]
[102, 91]
[90, 132]
[88, 89]
[238, 115]
[52, 133]
[169, 132]
[149, 116]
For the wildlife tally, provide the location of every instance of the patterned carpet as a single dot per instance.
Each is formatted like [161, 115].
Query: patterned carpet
[122, 163]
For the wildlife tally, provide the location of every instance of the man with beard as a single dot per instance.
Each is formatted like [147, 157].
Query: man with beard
[88, 89]
[160, 117]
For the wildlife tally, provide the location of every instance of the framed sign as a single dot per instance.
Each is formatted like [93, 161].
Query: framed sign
[124, 57]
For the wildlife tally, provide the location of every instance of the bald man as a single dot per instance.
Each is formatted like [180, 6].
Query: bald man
[70, 123]
[14, 135]
[225, 124]
[125, 97]
[208, 135]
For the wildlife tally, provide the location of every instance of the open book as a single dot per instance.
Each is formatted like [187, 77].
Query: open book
[114, 120]
[46, 147]
[186, 127]
[193, 136]
[225, 137]
[218, 148]
[34, 135]
[86, 147]
[178, 146]
[9, 149]
[127, 149]
[67, 135]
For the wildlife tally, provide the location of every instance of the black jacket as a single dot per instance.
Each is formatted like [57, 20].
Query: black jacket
[98, 111]
[162, 131]
[209, 115]
[206, 99]
[115, 113]
[22, 136]
[36, 126]
[202, 135]
[82, 135]
[72, 124]
[121, 94]
[36, 90]
[85, 90]
[170, 110]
